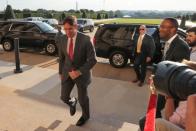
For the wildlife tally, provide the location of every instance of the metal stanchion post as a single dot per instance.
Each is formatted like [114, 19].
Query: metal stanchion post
[17, 56]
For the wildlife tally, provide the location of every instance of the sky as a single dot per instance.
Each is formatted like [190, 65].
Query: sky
[61, 5]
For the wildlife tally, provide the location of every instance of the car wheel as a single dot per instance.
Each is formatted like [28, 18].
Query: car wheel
[81, 29]
[8, 45]
[118, 59]
[51, 48]
[91, 29]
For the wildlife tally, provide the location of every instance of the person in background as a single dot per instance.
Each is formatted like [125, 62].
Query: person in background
[175, 49]
[191, 40]
[144, 51]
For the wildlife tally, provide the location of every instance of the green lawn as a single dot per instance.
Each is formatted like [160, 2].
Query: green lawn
[131, 20]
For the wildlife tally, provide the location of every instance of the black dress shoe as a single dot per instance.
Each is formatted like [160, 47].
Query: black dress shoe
[135, 81]
[81, 121]
[73, 106]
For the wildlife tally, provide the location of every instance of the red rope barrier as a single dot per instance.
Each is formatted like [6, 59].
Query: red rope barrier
[151, 111]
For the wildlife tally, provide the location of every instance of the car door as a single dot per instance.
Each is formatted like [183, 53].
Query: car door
[34, 35]
[122, 36]
[4, 28]
[85, 25]
[17, 30]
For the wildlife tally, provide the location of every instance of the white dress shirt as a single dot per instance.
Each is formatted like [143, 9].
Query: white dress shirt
[193, 54]
[168, 44]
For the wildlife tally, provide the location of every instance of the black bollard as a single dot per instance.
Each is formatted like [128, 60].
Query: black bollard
[17, 57]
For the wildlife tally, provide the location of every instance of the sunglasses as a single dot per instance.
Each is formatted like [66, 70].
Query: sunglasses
[141, 29]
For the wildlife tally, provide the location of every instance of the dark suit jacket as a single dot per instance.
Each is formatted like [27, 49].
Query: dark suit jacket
[148, 46]
[84, 58]
[178, 50]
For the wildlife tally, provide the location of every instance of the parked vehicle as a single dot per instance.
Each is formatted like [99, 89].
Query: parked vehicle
[31, 34]
[33, 19]
[85, 24]
[52, 22]
[115, 42]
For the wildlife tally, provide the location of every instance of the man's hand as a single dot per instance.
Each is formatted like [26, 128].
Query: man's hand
[148, 59]
[74, 74]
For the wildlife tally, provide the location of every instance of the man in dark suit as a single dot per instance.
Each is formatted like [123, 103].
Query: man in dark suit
[176, 49]
[76, 59]
[144, 51]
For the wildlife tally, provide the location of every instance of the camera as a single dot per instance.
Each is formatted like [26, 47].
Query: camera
[174, 79]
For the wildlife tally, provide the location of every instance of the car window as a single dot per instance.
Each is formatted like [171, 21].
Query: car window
[31, 28]
[182, 34]
[108, 33]
[4, 26]
[44, 26]
[18, 27]
[151, 30]
[122, 33]
[80, 21]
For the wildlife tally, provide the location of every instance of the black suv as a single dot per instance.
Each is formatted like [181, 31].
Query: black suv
[85, 24]
[33, 34]
[115, 41]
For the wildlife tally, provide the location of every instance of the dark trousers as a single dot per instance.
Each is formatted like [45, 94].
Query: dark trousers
[66, 88]
[140, 67]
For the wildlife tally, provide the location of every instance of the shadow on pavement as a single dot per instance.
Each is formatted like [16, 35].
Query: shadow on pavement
[9, 73]
[52, 126]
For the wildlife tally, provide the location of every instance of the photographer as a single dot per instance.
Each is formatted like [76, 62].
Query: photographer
[184, 116]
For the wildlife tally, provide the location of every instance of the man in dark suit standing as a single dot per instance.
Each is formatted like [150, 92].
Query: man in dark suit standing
[76, 59]
[175, 49]
[144, 51]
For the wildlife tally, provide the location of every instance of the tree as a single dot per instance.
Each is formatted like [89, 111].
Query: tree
[84, 14]
[49, 15]
[26, 11]
[106, 16]
[25, 15]
[193, 17]
[63, 16]
[111, 14]
[98, 16]
[183, 22]
[187, 17]
[71, 11]
[9, 13]
[118, 13]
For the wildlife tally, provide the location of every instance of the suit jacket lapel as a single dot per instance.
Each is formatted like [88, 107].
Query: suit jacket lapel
[65, 42]
[76, 49]
[172, 46]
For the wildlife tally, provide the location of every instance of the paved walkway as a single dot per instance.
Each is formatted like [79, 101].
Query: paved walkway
[30, 102]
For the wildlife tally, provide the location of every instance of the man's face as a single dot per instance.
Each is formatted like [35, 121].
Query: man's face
[191, 39]
[70, 30]
[142, 30]
[166, 30]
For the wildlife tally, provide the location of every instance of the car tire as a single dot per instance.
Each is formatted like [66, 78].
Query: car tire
[118, 59]
[8, 45]
[91, 29]
[51, 48]
[81, 29]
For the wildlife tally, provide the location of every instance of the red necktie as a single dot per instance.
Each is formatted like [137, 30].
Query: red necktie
[71, 49]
